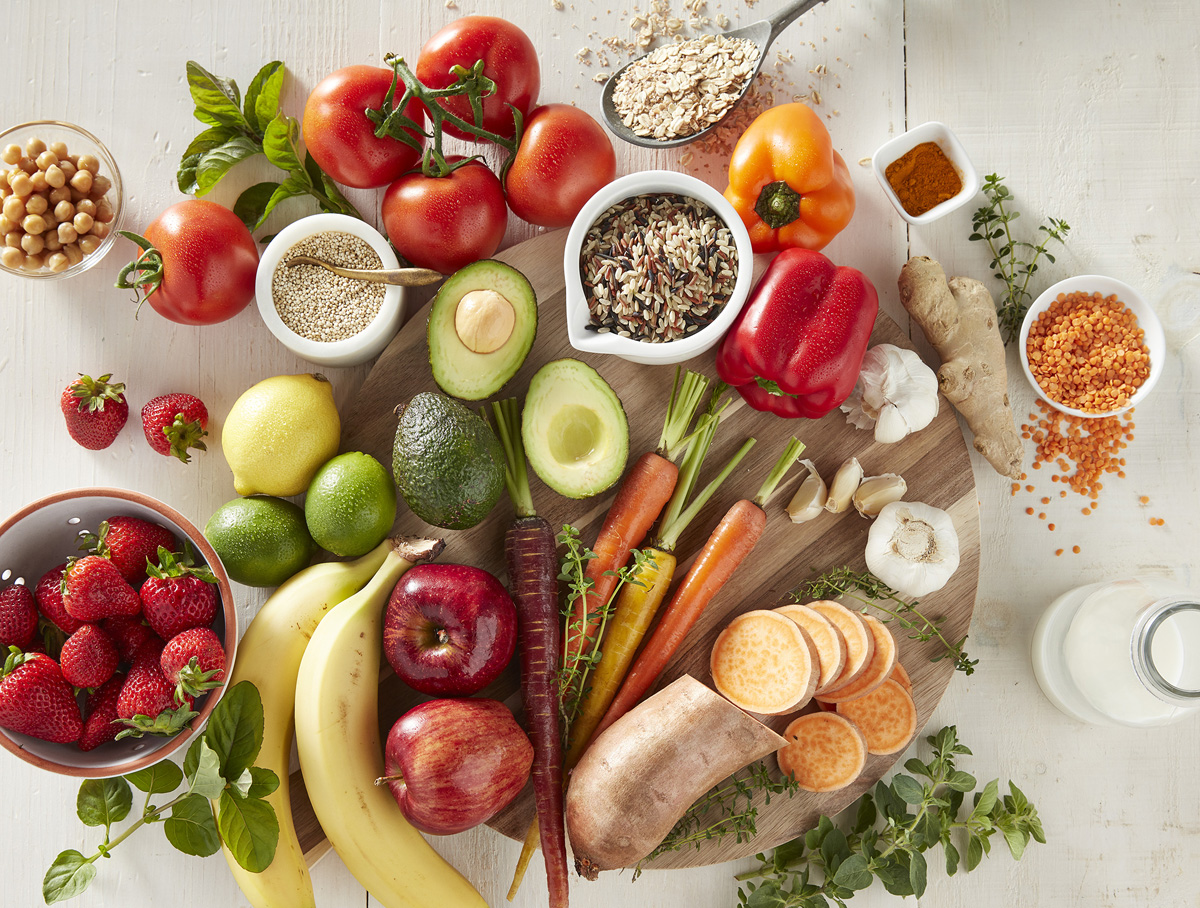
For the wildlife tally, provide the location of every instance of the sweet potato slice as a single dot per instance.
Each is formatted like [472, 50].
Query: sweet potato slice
[765, 663]
[859, 641]
[831, 645]
[824, 752]
[899, 673]
[886, 716]
[878, 670]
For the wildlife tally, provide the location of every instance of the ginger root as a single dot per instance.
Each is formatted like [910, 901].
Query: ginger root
[959, 319]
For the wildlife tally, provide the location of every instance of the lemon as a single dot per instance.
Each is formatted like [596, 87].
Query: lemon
[350, 505]
[278, 434]
[261, 541]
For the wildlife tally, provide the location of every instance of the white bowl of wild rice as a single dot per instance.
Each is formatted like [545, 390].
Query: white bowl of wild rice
[658, 265]
[322, 317]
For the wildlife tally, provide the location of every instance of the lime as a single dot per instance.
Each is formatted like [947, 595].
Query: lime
[261, 541]
[351, 504]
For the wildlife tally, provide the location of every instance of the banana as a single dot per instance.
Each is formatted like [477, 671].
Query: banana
[269, 656]
[337, 734]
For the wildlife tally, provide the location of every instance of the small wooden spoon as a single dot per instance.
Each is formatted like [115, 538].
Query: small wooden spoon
[401, 277]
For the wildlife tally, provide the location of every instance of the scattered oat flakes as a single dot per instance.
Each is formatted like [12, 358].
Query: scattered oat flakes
[601, 77]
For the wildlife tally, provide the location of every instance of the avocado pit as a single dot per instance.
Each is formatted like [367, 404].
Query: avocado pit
[484, 320]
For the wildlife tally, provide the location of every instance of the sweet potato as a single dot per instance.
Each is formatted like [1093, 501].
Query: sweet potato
[831, 645]
[878, 670]
[765, 663]
[824, 752]
[900, 673]
[886, 716]
[859, 641]
[641, 774]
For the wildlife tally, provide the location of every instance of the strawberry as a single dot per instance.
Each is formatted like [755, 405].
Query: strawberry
[95, 410]
[130, 543]
[49, 596]
[93, 589]
[128, 634]
[89, 657]
[100, 723]
[18, 617]
[175, 422]
[194, 662]
[147, 702]
[178, 595]
[36, 700]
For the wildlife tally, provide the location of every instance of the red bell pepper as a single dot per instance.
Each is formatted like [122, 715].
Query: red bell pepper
[797, 346]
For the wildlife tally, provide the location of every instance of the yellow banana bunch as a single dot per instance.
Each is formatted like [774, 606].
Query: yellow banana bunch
[337, 734]
[269, 656]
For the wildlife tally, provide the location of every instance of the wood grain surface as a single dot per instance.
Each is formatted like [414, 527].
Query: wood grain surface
[934, 462]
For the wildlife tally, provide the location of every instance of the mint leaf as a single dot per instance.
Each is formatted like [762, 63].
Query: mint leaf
[262, 97]
[235, 729]
[218, 101]
[67, 877]
[853, 873]
[262, 782]
[249, 829]
[191, 827]
[102, 802]
[161, 778]
[206, 779]
[279, 142]
[217, 162]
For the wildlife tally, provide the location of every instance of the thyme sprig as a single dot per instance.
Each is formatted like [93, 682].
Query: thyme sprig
[870, 590]
[888, 841]
[1014, 261]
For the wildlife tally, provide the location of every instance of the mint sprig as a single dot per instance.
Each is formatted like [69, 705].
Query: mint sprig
[218, 767]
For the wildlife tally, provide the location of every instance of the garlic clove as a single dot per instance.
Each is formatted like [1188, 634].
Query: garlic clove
[810, 498]
[891, 426]
[876, 491]
[845, 481]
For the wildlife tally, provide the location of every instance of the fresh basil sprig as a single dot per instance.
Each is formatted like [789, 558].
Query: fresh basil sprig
[242, 128]
[218, 767]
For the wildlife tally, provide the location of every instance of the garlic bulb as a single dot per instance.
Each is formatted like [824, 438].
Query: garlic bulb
[809, 500]
[845, 481]
[878, 491]
[896, 391]
[912, 547]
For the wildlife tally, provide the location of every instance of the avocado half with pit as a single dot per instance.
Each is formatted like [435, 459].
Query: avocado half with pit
[574, 429]
[481, 326]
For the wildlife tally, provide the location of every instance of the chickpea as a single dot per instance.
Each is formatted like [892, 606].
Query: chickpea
[74, 256]
[28, 165]
[55, 177]
[21, 183]
[100, 186]
[82, 222]
[34, 146]
[68, 169]
[39, 181]
[100, 229]
[50, 220]
[36, 204]
[77, 196]
[12, 258]
[59, 149]
[89, 162]
[82, 180]
[53, 243]
[87, 206]
[4, 179]
[12, 239]
[14, 208]
[33, 223]
[33, 243]
[46, 159]
[6, 224]
[58, 262]
[11, 154]
[67, 233]
[64, 211]
[32, 263]
[62, 194]
[89, 244]
[104, 211]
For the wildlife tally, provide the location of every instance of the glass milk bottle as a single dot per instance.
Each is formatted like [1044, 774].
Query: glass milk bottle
[1124, 652]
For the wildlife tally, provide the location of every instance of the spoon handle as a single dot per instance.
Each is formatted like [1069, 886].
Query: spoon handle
[401, 277]
[788, 15]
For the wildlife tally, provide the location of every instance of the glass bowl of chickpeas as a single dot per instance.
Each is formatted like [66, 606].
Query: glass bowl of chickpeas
[60, 200]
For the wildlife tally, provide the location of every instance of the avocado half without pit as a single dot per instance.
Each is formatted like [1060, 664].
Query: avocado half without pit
[481, 327]
[574, 429]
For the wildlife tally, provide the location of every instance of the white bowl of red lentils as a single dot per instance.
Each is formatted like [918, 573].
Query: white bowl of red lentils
[1092, 347]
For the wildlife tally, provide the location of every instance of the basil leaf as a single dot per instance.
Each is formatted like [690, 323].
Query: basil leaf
[67, 877]
[908, 789]
[918, 873]
[218, 102]
[206, 779]
[340, 203]
[279, 142]
[217, 162]
[249, 829]
[161, 778]
[313, 169]
[853, 873]
[102, 802]
[235, 729]
[262, 97]
[211, 138]
[262, 782]
[191, 827]
[256, 203]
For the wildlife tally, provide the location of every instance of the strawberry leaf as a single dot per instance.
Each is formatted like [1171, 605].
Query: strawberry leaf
[67, 877]
[161, 778]
[235, 729]
[249, 829]
[191, 827]
[102, 802]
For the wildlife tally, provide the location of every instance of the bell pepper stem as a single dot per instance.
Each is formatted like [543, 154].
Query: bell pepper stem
[778, 204]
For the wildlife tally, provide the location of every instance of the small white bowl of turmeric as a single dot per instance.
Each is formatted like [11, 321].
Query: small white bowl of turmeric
[1092, 347]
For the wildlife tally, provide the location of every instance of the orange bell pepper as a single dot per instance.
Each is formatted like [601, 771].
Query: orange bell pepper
[786, 182]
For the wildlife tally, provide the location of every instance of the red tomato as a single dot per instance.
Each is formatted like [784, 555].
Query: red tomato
[445, 223]
[564, 158]
[509, 60]
[340, 137]
[209, 262]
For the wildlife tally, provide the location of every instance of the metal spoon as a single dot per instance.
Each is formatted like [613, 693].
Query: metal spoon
[762, 33]
[401, 277]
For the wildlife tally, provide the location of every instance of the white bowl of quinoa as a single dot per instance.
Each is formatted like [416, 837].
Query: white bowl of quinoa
[322, 317]
[658, 265]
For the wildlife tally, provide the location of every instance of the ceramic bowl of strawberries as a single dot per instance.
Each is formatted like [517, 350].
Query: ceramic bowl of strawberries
[117, 631]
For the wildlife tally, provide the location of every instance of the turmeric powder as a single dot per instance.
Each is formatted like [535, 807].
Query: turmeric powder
[923, 178]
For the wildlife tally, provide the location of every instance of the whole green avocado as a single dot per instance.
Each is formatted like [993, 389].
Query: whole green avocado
[448, 465]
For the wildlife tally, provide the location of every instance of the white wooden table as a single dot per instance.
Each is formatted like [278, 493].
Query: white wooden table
[1087, 108]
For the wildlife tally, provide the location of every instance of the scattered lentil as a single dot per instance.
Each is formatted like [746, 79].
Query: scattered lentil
[1093, 445]
[1058, 552]
[1075, 549]
[657, 268]
[318, 304]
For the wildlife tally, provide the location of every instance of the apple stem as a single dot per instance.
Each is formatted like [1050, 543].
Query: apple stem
[442, 637]
[383, 780]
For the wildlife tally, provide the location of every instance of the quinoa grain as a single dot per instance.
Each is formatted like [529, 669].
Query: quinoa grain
[318, 304]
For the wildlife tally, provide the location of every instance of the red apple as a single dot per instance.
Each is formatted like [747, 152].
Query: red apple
[449, 629]
[453, 764]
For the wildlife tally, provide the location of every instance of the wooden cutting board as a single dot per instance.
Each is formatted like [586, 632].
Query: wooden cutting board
[934, 462]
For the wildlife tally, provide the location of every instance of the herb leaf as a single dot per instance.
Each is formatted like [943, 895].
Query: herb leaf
[262, 97]
[102, 802]
[235, 729]
[249, 828]
[191, 827]
[279, 142]
[67, 877]
[218, 102]
[206, 779]
[216, 162]
[161, 778]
